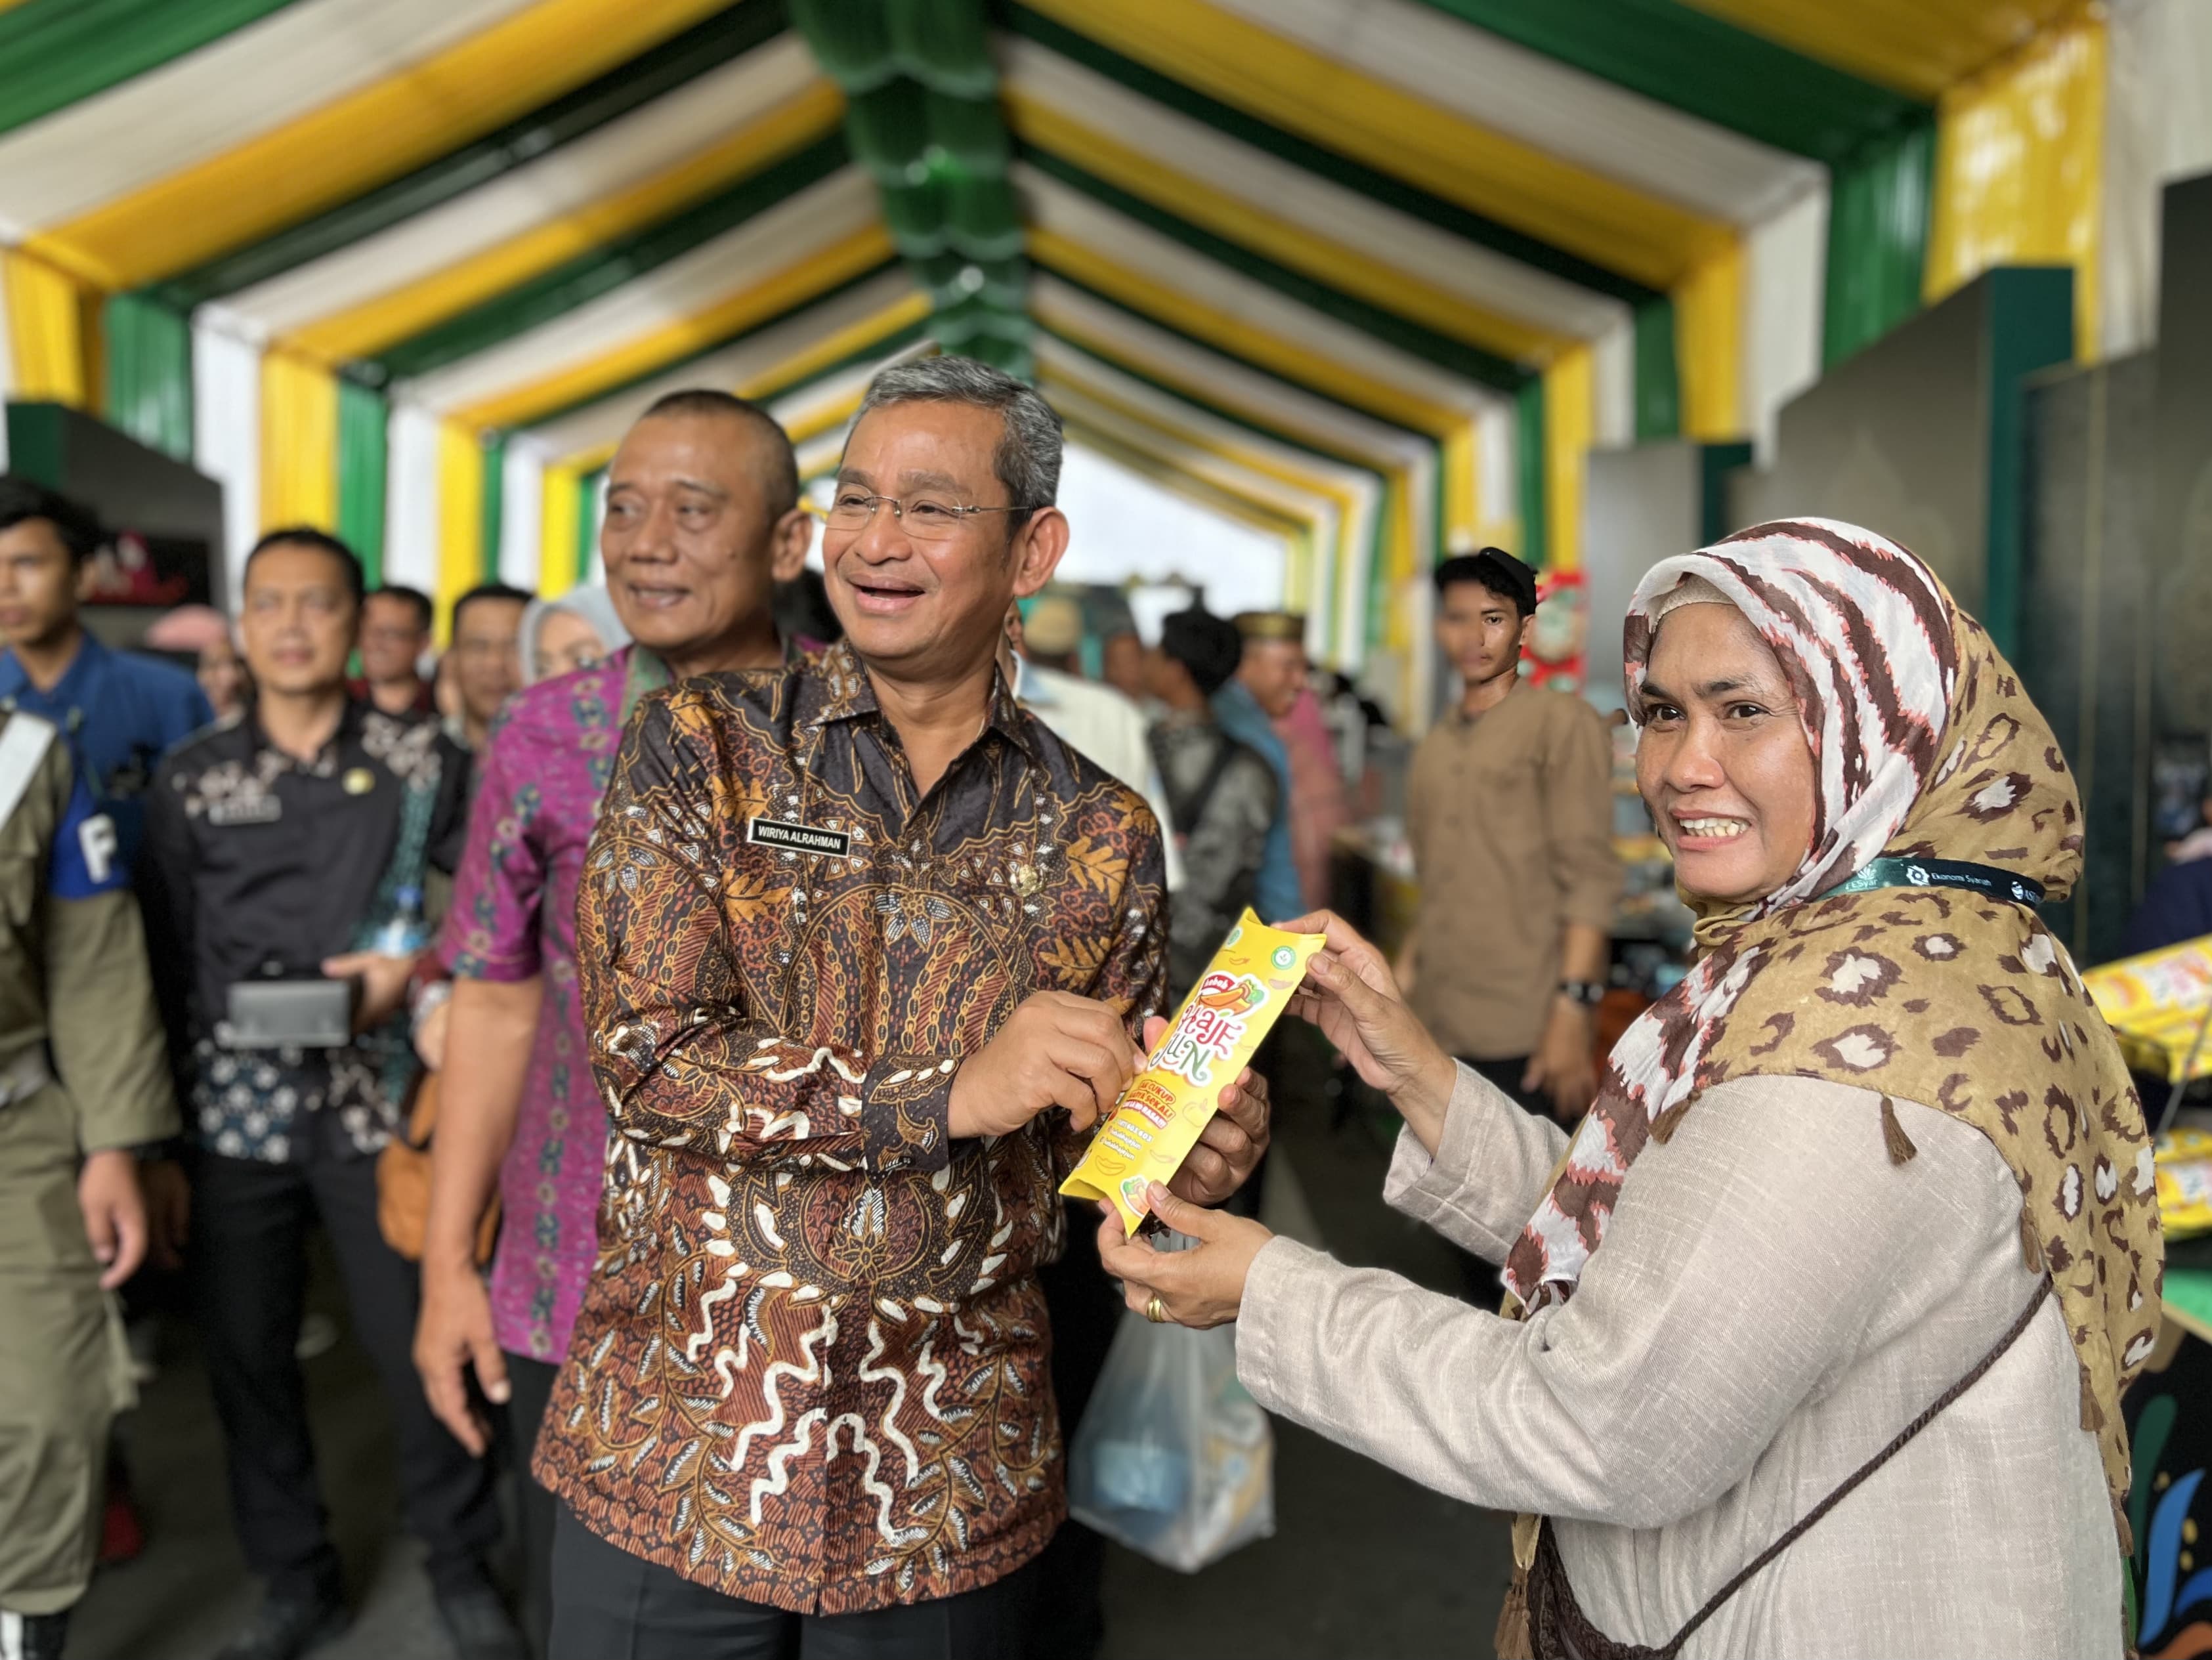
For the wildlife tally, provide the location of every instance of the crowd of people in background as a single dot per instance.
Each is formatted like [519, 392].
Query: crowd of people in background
[357, 855]
[678, 1002]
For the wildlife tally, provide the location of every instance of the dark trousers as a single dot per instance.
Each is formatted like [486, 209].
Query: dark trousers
[530, 1386]
[610, 1605]
[249, 1231]
[1067, 1621]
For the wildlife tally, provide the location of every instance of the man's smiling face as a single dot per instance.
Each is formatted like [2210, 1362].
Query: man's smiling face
[690, 536]
[926, 607]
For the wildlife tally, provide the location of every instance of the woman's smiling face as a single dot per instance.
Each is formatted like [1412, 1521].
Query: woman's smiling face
[1722, 761]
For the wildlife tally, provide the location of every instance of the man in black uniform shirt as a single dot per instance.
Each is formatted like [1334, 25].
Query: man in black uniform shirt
[286, 851]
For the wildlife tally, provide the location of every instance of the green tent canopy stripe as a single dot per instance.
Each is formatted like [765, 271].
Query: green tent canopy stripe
[587, 522]
[1529, 457]
[1327, 164]
[495, 503]
[922, 115]
[149, 374]
[606, 267]
[362, 474]
[55, 52]
[1470, 362]
[1701, 65]
[1658, 372]
[1878, 206]
[681, 58]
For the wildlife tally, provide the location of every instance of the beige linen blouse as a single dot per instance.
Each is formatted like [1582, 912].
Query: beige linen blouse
[1774, 1301]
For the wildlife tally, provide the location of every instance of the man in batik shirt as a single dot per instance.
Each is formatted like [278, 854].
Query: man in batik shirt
[865, 950]
[702, 519]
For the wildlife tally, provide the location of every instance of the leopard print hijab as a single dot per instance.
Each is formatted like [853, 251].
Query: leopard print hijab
[1925, 746]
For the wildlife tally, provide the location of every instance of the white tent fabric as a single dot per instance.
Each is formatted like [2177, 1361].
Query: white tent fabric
[1250, 393]
[605, 421]
[1220, 448]
[1613, 371]
[1785, 282]
[227, 434]
[2157, 128]
[411, 525]
[1328, 210]
[296, 60]
[565, 181]
[1544, 103]
[1054, 207]
[802, 224]
[522, 513]
[1123, 524]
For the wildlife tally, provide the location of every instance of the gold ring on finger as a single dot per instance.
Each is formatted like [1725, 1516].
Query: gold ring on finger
[1156, 1311]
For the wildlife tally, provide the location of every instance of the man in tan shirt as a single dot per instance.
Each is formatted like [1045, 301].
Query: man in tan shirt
[1510, 807]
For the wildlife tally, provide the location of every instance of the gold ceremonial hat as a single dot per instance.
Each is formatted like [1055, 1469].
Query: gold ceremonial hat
[1271, 625]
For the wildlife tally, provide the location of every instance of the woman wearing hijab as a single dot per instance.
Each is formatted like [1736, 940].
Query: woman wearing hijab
[1820, 1322]
[579, 630]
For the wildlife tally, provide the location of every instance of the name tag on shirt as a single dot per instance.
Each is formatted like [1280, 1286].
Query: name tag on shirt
[245, 810]
[797, 838]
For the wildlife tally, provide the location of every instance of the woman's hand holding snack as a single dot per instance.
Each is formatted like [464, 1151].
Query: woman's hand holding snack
[1349, 993]
[1199, 1287]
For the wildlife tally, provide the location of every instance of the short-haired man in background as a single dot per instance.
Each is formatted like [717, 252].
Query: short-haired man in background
[1508, 805]
[703, 520]
[395, 633]
[1222, 795]
[850, 935]
[1265, 684]
[487, 651]
[117, 713]
[292, 847]
[1095, 720]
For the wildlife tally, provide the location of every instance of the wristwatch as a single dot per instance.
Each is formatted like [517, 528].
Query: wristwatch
[1588, 993]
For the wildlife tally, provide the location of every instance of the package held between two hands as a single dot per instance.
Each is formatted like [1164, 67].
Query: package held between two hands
[1159, 1118]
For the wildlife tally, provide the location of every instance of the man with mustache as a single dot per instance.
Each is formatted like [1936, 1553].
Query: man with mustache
[702, 519]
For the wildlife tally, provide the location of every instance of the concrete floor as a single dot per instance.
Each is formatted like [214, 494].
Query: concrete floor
[1362, 1563]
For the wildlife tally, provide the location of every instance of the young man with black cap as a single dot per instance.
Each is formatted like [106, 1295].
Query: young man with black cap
[1510, 807]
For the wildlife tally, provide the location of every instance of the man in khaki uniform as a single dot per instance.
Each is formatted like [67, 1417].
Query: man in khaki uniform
[76, 1009]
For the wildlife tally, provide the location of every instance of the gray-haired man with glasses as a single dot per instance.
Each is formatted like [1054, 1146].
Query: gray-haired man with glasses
[865, 951]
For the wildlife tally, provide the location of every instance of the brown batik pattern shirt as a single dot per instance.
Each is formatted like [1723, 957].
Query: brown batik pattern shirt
[810, 1367]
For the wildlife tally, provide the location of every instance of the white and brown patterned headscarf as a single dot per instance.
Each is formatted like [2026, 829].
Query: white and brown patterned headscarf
[1925, 746]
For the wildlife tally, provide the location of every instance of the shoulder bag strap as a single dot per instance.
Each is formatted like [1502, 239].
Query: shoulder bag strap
[1844, 1488]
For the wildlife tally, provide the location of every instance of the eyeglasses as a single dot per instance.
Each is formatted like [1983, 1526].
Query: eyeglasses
[925, 521]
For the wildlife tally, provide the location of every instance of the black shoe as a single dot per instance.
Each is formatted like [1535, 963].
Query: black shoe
[33, 1636]
[288, 1624]
[480, 1626]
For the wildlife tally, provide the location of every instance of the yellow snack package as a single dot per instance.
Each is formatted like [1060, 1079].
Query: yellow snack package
[1156, 1121]
[2183, 1170]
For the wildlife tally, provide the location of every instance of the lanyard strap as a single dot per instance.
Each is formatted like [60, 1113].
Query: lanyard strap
[1891, 871]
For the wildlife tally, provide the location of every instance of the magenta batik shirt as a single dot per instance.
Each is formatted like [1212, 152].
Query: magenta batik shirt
[514, 915]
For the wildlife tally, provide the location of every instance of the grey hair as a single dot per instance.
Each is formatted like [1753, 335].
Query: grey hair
[1027, 460]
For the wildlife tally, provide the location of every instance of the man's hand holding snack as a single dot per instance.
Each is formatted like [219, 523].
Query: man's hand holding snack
[1055, 1050]
[1233, 1141]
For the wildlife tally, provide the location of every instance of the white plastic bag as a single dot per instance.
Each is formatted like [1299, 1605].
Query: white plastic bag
[1173, 1458]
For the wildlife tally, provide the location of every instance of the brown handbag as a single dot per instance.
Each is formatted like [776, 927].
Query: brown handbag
[403, 1182]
